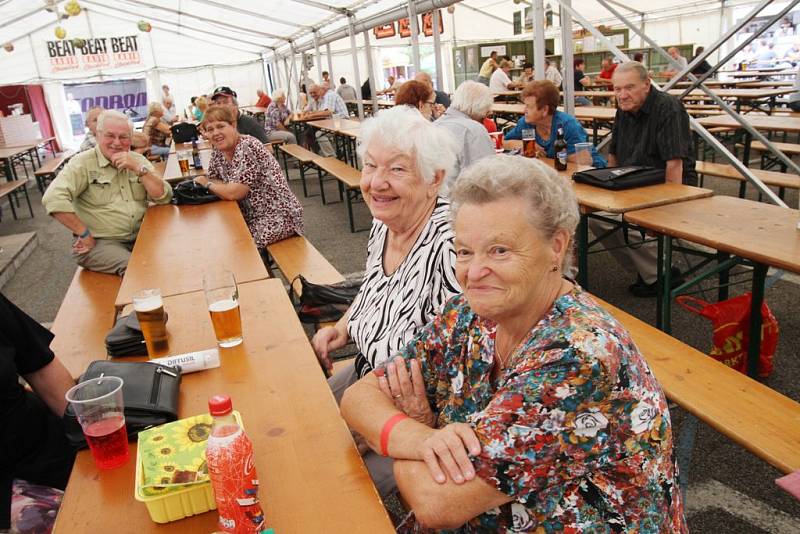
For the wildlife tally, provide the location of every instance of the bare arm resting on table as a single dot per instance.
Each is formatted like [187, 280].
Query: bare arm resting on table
[424, 453]
[674, 171]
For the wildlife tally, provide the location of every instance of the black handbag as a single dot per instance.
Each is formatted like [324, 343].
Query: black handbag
[617, 178]
[184, 132]
[189, 192]
[126, 338]
[149, 390]
[323, 303]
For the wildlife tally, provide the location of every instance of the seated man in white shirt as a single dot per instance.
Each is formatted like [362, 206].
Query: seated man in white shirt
[500, 82]
[551, 73]
[323, 104]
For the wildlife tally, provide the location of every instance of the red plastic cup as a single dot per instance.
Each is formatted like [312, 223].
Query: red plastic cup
[99, 407]
[498, 141]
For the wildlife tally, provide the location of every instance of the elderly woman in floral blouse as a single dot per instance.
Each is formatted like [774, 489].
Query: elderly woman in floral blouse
[523, 406]
[242, 169]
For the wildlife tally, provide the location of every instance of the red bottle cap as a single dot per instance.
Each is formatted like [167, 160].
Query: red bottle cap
[220, 405]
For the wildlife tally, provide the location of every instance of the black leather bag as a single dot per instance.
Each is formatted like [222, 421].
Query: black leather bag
[149, 390]
[617, 178]
[184, 132]
[188, 192]
[322, 303]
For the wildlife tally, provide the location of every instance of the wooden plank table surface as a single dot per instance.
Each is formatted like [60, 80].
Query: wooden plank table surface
[740, 93]
[254, 109]
[202, 144]
[759, 122]
[177, 244]
[605, 113]
[312, 477]
[335, 125]
[172, 171]
[754, 230]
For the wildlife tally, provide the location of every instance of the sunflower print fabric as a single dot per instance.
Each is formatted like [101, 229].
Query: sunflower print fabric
[576, 429]
[174, 455]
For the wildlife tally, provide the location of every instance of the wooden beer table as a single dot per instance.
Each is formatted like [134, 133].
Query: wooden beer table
[345, 132]
[312, 477]
[752, 97]
[740, 230]
[767, 123]
[177, 244]
[202, 144]
[172, 171]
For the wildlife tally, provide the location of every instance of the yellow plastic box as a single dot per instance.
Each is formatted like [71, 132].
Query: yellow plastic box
[193, 500]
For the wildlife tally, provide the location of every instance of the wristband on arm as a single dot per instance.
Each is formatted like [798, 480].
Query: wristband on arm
[387, 429]
[85, 233]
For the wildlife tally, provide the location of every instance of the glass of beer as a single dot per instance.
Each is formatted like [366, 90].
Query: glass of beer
[99, 408]
[222, 297]
[529, 143]
[183, 161]
[149, 310]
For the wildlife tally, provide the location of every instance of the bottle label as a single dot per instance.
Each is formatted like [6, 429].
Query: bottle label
[562, 157]
[235, 481]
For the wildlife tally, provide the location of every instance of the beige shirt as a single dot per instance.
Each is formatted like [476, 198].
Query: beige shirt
[487, 68]
[110, 202]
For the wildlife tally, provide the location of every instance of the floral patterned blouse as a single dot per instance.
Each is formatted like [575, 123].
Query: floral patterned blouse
[270, 209]
[576, 428]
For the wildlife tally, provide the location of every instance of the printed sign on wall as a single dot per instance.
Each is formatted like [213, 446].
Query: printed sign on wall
[382, 32]
[127, 96]
[95, 54]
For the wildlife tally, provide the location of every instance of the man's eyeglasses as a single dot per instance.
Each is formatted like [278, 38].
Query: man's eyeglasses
[124, 138]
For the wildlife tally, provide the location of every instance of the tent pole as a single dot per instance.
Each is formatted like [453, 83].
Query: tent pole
[288, 82]
[213, 76]
[538, 39]
[297, 81]
[437, 50]
[265, 74]
[318, 56]
[370, 75]
[330, 59]
[566, 60]
[35, 62]
[414, 26]
[354, 51]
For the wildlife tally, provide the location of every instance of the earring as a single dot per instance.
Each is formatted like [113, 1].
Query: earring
[555, 268]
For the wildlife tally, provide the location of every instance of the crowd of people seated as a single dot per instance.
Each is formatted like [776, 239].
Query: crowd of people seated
[489, 389]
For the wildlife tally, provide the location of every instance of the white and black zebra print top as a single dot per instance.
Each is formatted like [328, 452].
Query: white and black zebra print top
[389, 310]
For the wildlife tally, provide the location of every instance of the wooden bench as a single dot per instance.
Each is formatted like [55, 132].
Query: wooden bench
[305, 158]
[84, 318]
[790, 149]
[274, 145]
[349, 183]
[759, 419]
[9, 189]
[49, 169]
[296, 255]
[776, 179]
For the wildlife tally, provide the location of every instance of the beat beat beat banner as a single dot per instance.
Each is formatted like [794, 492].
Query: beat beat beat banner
[95, 54]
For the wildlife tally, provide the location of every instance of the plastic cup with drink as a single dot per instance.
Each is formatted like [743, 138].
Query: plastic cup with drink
[222, 297]
[99, 408]
[497, 137]
[149, 310]
[583, 156]
[183, 161]
[529, 143]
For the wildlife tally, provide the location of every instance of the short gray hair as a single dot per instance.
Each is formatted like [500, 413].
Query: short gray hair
[154, 106]
[406, 130]
[89, 111]
[113, 115]
[473, 99]
[551, 200]
[633, 66]
[278, 93]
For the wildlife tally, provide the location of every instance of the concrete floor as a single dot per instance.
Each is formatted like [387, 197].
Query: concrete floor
[731, 490]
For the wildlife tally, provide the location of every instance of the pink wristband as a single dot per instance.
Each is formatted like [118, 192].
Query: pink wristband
[387, 429]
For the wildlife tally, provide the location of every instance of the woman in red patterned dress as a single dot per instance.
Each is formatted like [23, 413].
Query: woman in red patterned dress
[242, 169]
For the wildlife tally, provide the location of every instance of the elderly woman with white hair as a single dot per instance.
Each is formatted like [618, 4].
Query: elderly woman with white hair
[157, 130]
[471, 103]
[527, 407]
[410, 269]
[276, 117]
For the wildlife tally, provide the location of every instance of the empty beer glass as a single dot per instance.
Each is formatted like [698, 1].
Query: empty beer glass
[222, 297]
[149, 310]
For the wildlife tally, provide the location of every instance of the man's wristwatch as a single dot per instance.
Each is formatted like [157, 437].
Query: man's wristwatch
[86, 233]
[142, 171]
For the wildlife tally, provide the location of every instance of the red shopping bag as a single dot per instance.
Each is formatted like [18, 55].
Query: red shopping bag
[731, 322]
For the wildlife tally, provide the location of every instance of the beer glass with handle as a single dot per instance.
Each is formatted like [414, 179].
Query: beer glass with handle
[222, 297]
[149, 310]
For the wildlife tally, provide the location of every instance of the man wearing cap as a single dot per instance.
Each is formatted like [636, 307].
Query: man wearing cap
[246, 124]
[101, 196]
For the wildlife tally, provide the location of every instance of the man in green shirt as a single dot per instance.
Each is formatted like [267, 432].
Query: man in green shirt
[101, 196]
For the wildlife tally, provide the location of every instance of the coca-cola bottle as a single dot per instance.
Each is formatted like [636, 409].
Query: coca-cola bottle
[229, 455]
